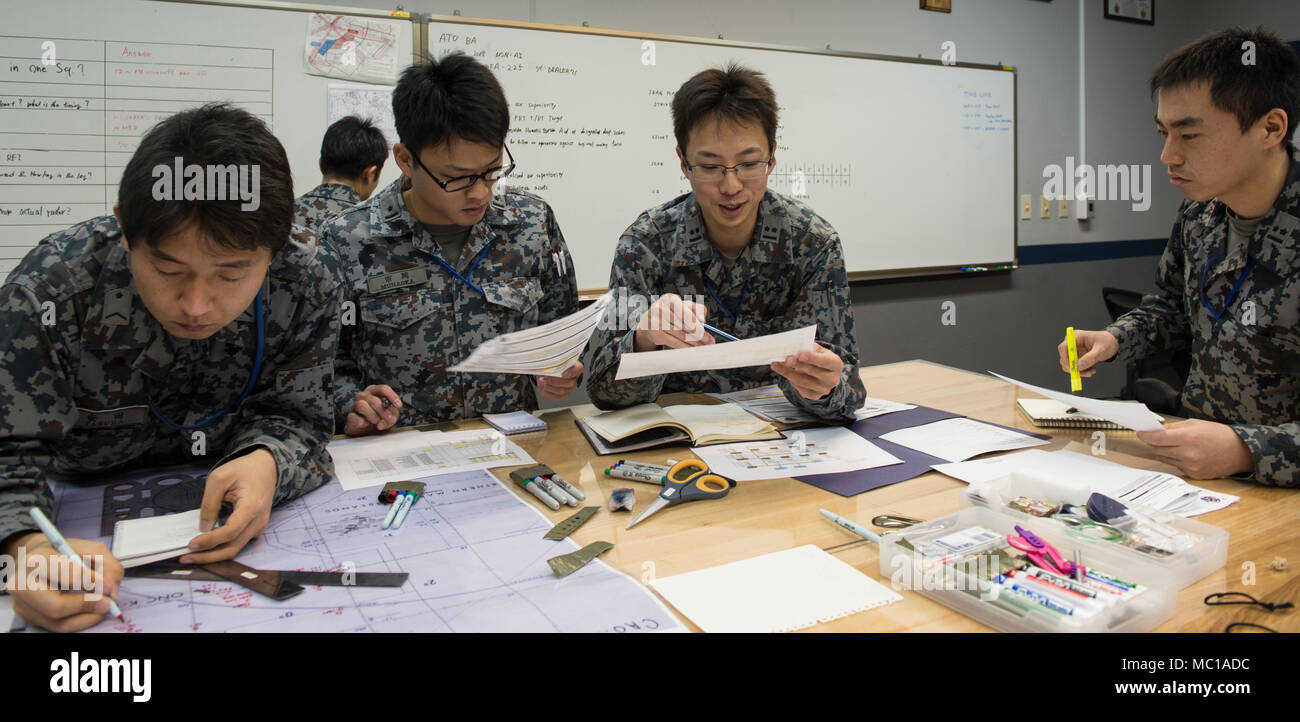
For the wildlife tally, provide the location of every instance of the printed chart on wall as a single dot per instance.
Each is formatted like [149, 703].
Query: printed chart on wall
[591, 132]
[474, 552]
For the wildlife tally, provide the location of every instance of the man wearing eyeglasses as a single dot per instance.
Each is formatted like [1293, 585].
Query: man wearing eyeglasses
[757, 262]
[439, 264]
[1227, 286]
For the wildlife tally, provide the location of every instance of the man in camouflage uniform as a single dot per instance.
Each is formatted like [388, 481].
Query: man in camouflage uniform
[749, 260]
[1226, 286]
[352, 155]
[119, 330]
[437, 264]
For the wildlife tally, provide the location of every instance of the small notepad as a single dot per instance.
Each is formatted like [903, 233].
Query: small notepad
[151, 539]
[777, 592]
[515, 422]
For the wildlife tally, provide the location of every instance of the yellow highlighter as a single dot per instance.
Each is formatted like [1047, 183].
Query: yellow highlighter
[1076, 384]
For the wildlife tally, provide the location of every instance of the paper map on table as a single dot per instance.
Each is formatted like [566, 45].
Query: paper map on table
[474, 551]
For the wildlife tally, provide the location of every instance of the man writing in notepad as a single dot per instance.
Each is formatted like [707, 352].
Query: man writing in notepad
[1228, 284]
[173, 331]
[761, 262]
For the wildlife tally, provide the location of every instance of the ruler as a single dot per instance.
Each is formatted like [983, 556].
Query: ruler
[203, 573]
[570, 525]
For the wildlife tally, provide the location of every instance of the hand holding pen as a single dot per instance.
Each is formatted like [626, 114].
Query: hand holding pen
[373, 409]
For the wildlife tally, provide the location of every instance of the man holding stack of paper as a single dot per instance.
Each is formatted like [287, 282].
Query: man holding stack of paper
[761, 263]
[1227, 285]
[441, 264]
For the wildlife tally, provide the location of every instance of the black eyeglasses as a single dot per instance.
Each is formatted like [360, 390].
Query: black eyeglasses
[460, 183]
[708, 172]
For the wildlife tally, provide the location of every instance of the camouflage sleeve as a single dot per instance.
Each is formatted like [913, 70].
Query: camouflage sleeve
[347, 374]
[36, 407]
[290, 413]
[634, 263]
[824, 300]
[1275, 450]
[1159, 323]
[560, 299]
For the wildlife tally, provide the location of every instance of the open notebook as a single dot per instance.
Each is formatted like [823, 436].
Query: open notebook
[650, 425]
[777, 592]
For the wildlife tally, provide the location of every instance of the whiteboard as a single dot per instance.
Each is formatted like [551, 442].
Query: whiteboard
[913, 163]
[123, 65]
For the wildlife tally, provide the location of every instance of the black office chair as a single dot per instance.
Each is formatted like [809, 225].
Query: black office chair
[1158, 379]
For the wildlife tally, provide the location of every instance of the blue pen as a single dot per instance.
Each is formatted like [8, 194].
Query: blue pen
[861, 531]
[719, 332]
[392, 510]
[61, 546]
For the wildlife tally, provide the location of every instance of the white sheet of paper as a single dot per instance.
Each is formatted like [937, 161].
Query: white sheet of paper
[362, 463]
[1124, 483]
[776, 592]
[961, 438]
[769, 402]
[826, 451]
[154, 538]
[757, 351]
[871, 408]
[545, 350]
[1130, 415]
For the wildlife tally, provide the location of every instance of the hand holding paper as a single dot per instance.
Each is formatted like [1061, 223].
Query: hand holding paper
[758, 351]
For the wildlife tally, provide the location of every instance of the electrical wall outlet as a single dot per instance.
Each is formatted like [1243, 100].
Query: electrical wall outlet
[1044, 207]
[1062, 208]
[1026, 207]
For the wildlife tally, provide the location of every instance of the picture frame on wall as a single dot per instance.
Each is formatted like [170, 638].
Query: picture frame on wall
[1131, 11]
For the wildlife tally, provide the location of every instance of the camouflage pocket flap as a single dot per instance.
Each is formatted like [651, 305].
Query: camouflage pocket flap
[518, 294]
[397, 310]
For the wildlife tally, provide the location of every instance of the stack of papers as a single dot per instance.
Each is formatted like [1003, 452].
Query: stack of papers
[545, 350]
[137, 542]
[1131, 486]
[961, 438]
[770, 403]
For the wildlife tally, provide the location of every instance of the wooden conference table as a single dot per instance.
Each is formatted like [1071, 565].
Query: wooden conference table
[760, 517]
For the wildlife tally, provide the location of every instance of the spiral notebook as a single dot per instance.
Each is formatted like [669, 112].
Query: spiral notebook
[777, 592]
[1047, 413]
[515, 422]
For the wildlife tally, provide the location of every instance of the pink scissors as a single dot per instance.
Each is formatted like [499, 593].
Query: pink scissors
[1043, 554]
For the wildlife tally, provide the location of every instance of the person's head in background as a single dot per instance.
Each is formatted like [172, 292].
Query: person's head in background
[726, 118]
[198, 261]
[352, 153]
[452, 120]
[1227, 105]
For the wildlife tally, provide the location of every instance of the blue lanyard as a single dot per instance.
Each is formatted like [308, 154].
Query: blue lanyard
[248, 388]
[1206, 301]
[735, 315]
[465, 279]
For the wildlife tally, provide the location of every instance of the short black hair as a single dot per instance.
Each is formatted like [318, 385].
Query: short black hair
[734, 93]
[350, 146]
[1247, 91]
[455, 97]
[216, 136]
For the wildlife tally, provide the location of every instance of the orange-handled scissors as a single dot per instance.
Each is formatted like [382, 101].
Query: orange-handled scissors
[688, 480]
